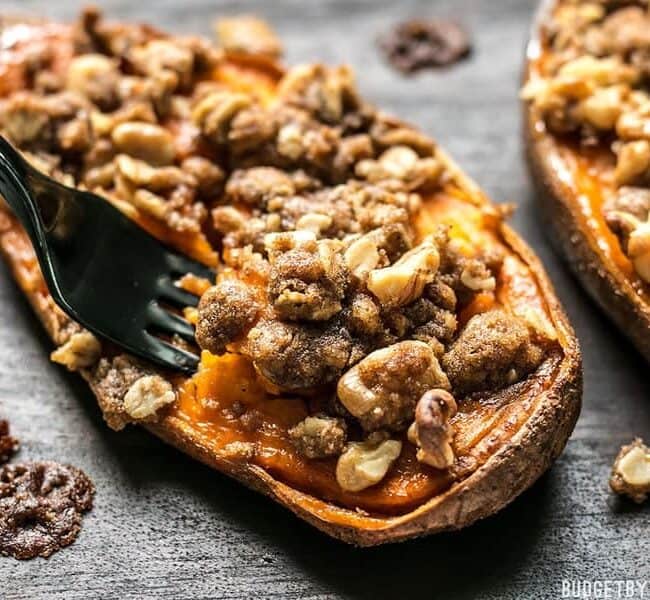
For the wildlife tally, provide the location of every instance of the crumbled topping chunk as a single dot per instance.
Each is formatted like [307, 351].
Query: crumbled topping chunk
[493, 350]
[419, 44]
[111, 379]
[41, 506]
[248, 35]
[383, 389]
[319, 436]
[225, 312]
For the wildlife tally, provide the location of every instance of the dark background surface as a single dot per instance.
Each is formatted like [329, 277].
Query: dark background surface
[164, 526]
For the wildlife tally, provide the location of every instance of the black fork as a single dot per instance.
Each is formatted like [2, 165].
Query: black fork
[102, 269]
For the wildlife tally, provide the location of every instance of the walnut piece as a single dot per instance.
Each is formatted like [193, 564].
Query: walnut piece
[603, 108]
[155, 179]
[404, 164]
[248, 35]
[638, 249]
[477, 277]
[81, 351]
[431, 430]
[147, 396]
[362, 256]
[314, 222]
[214, 113]
[161, 56]
[31, 120]
[364, 464]
[625, 210]
[383, 389]
[150, 143]
[94, 76]
[404, 281]
[631, 471]
[633, 162]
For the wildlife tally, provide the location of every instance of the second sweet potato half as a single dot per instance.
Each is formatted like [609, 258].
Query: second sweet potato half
[381, 353]
[587, 126]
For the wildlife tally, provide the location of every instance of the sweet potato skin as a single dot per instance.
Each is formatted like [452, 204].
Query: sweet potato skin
[599, 276]
[508, 473]
[597, 273]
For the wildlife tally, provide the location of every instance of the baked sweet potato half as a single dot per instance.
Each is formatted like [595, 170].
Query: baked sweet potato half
[381, 354]
[587, 128]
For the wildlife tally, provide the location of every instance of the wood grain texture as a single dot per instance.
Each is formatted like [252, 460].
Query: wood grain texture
[166, 527]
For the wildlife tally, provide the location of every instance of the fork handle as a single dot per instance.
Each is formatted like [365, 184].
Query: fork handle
[32, 197]
[14, 176]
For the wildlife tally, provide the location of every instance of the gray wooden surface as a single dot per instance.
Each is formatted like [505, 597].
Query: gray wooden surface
[166, 527]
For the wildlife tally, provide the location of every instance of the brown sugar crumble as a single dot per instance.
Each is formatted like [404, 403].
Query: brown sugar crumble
[419, 44]
[41, 506]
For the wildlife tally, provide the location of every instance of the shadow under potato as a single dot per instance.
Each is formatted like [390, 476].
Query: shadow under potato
[455, 564]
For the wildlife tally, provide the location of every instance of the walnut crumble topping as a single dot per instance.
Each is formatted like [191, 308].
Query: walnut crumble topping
[147, 396]
[595, 89]
[128, 392]
[248, 35]
[311, 197]
[81, 351]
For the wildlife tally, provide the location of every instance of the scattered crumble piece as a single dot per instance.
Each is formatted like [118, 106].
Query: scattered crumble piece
[424, 43]
[41, 505]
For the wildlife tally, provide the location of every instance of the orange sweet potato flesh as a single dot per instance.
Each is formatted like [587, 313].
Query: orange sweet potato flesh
[503, 441]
